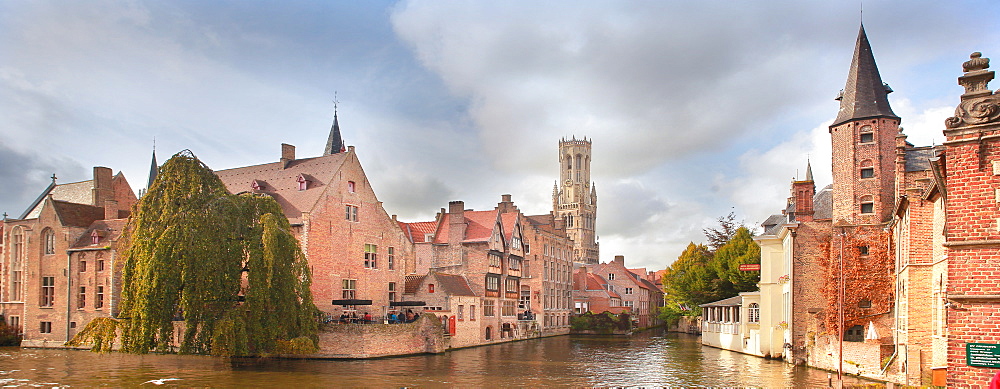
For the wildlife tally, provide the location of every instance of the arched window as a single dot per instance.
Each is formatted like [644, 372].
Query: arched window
[569, 162]
[17, 264]
[753, 311]
[489, 332]
[579, 159]
[48, 241]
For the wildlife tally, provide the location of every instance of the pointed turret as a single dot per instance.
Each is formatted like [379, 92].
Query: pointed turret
[864, 96]
[809, 171]
[153, 170]
[334, 144]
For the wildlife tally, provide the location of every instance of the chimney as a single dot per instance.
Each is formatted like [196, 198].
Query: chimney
[456, 228]
[620, 259]
[287, 154]
[506, 205]
[110, 209]
[581, 279]
[102, 186]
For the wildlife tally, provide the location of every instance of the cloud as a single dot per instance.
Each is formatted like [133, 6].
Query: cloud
[26, 175]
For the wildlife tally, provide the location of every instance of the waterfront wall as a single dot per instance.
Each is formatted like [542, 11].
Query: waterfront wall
[687, 324]
[355, 341]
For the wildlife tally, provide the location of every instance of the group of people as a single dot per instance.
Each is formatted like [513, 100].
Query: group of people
[366, 318]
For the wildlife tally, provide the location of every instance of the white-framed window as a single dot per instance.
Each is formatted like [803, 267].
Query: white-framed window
[351, 213]
[753, 311]
[81, 301]
[371, 256]
[99, 302]
[48, 296]
[628, 290]
[611, 276]
[349, 289]
[45, 327]
[49, 240]
[392, 258]
[489, 307]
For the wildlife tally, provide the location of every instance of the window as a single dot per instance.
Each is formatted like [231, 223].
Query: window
[49, 239]
[862, 250]
[81, 301]
[628, 290]
[303, 182]
[371, 256]
[492, 283]
[569, 221]
[351, 213]
[14, 322]
[99, 302]
[461, 313]
[867, 136]
[83, 264]
[514, 263]
[865, 304]
[95, 238]
[511, 285]
[495, 260]
[100, 262]
[48, 291]
[855, 334]
[392, 291]
[524, 302]
[350, 186]
[754, 312]
[17, 257]
[488, 307]
[45, 327]
[392, 258]
[349, 289]
[509, 308]
[611, 276]
[868, 172]
[430, 288]
[867, 207]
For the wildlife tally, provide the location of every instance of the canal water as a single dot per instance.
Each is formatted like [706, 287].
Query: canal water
[649, 359]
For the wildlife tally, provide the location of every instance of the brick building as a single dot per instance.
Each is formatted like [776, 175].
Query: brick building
[59, 260]
[354, 248]
[638, 296]
[970, 174]
[593, 293]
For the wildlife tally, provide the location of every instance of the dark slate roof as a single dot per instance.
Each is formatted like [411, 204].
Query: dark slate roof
[454, 285]
[334, 144]
[918, 158]
[729, 302]
[864, 96]
[823, 203]
[773, 224]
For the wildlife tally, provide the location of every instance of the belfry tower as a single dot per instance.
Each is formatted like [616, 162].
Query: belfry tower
[574, 198]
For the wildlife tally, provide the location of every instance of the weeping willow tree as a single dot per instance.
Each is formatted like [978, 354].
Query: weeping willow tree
[226, 265]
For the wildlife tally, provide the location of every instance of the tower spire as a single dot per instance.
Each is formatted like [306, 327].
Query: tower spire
[809, 170]
[153, 168]
[334, 143]
[864, 96]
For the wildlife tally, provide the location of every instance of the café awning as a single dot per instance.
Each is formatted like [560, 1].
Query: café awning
[352, 302]
[407, 303]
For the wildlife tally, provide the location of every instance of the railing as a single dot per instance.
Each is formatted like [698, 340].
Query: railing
[723, 328]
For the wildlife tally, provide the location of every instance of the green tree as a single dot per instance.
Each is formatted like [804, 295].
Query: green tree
[739, 250]
[227, 265]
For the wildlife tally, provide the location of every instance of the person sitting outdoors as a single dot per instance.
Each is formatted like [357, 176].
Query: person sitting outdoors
[392, 317]
[367, 318]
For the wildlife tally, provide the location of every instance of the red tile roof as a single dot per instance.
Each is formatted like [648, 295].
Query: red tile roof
[281, 183]
[508, 221]
[417, 232]
[454, 285]
[77, 215]
[479, 226]
[411, 283]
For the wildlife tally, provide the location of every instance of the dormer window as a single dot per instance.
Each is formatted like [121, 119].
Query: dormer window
[94, 237]
[257, 185]
[303, 182]
[350, 186]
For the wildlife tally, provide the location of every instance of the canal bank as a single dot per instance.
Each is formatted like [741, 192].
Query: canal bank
[649, 358]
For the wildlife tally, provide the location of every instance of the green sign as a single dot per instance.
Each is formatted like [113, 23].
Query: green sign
[982, 355]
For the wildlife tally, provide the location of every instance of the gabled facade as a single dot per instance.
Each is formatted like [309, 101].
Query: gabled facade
[593, 293]
[547, 287]
[51, 283]
[354, 248]
[638, 296]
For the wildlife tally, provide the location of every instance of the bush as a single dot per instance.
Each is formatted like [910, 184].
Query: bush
[602, 323]
[9, 335]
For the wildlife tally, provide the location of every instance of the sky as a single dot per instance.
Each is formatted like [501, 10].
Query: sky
[695, 109]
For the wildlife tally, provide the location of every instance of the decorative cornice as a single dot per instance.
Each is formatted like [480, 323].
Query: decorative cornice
[973, 243]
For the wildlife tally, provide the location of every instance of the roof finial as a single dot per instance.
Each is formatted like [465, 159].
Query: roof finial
[53, 178]
[334, 143]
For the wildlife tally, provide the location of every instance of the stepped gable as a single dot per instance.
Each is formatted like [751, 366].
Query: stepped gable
[281, 181]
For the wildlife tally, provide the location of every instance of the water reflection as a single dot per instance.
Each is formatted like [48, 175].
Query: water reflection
[651, 359]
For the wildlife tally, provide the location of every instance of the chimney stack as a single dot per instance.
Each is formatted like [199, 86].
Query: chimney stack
[110, 209]
[620, 259]
[102, 186]
[287, 154]
[456, 228]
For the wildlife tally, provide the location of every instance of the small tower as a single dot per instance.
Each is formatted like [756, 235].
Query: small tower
[864, 144]
[576, 200]
[334, 143]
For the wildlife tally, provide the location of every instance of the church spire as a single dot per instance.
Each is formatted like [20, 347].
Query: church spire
[154, 169]
[864, 96]
[334, 144]
[809, 170]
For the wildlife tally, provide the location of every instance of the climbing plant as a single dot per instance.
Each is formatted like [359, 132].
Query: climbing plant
[225, 265]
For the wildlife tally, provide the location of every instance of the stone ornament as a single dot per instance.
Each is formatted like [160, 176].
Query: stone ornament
[979, 105]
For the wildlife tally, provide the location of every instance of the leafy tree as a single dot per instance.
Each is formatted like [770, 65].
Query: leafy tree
[740, 250]
[719, 236]
[227, 265]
